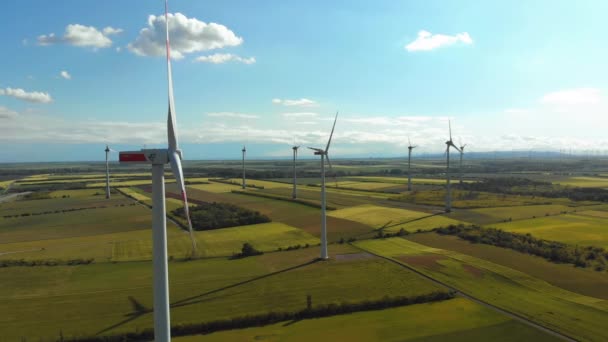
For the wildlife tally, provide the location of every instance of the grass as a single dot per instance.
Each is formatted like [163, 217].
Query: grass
[219, 242]
[41, 301]
[579, 316]
[214, 187]
[403, 180]
[426, 223]
[460, 319]
[579, 280]
[358, 185]
[119, 183]
[570, 228]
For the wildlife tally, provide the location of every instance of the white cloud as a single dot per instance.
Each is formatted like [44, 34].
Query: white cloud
[578, 96]
[35, 96]
[295, 103]
[65, 75]
[81, 35]
[6, 113]
[300, 115]
[232, 115]
[427, 41]
[118, 49]
[220, 58]
[187, 35]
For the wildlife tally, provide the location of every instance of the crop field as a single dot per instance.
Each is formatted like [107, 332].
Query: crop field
[266, 237]
[474, 199]
[377, 216]
[571, 228]
[585, 182]
[97, 299]
[570, 313]
[584, 281]
[290, 213]
[128, 182]
[461, 320]
[373, 186]
[5, 184]
[214, 187]
[403, 180]
[312, 194]
[426, 223]
[501, 214]
[261, 183]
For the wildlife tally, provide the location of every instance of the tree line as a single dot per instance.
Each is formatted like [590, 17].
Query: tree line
[208, 216]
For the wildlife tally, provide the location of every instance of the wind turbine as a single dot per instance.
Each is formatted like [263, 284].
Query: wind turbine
[108, 150]
[294, 193]
[244, 150]
[448, 197]
[410, 147]
[158, 158]
[324, 155]
[461, 154]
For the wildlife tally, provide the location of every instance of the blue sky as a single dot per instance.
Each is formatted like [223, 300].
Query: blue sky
[509, 74]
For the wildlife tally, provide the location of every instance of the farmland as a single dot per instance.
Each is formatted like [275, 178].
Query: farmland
[66, 218]
[570, 313]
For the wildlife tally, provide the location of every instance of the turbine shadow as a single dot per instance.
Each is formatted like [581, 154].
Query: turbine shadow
[186, 301]
[138, 310]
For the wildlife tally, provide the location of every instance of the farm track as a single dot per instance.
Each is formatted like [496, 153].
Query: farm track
[476, 300]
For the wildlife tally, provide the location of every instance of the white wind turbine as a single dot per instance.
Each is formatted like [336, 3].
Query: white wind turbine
[448, 197]
[108, 150]
[461, 155]
[410, 147]
[158, 158]
[324, 155]
[294, 193]
[244, 150]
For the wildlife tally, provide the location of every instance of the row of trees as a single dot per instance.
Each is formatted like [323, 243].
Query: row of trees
[59, 211]
[207, 216]
[45, 262]
[272, 317]
[580, 256]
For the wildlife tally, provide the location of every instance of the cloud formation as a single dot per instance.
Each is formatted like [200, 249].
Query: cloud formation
[220, 58]
[300, 115]
[6, 113]
[295, 103]
[427, 41]
[81, 35]
[188, 35]
[578, 96]
[66, 75]
[35, 96]
[232, 115]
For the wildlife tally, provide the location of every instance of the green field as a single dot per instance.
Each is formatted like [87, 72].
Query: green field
[573, 229]
[265, 237]
[95, 298]
[377, 216]
[568, 312]
[460, 320]
[500, 214]
[214, 187]
[585, 182]
[403, 180]
[580, 280]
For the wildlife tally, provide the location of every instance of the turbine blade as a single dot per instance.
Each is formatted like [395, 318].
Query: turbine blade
[176, 167]
[450, 125]
[171, 126]
[409, 143]
[332, 133]
[331, 170]
[316, 149]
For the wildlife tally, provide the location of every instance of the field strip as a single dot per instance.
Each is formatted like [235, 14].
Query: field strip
[474, 299]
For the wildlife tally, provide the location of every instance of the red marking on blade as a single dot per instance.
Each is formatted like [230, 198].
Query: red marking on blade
[132, 157]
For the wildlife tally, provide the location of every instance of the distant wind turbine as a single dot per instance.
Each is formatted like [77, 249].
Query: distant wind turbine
[108, 150]
[294, 193]
[410, 147]
[244, 150]
[448, 197]
[324, 155]
[158, 158]
[461, 155]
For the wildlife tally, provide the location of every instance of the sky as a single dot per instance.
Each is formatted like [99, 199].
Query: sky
[509, 75]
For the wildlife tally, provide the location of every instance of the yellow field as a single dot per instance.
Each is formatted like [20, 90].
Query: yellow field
[377, 216]
[361, 185]
[219, 242]
[585, 182]
[5, 184]
[261, 183]
[426, 223]
[403, 180]
[214, 187]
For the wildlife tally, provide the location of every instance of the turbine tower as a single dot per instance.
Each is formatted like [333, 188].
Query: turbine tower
[108, 150]
[324, 155]
[244, 150]
[410, 147]
[294, 193]
[158, 158]
[448, 197]
[461, 155]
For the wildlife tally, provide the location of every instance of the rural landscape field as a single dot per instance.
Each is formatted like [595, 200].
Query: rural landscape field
[385, 170]
[77, 266]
